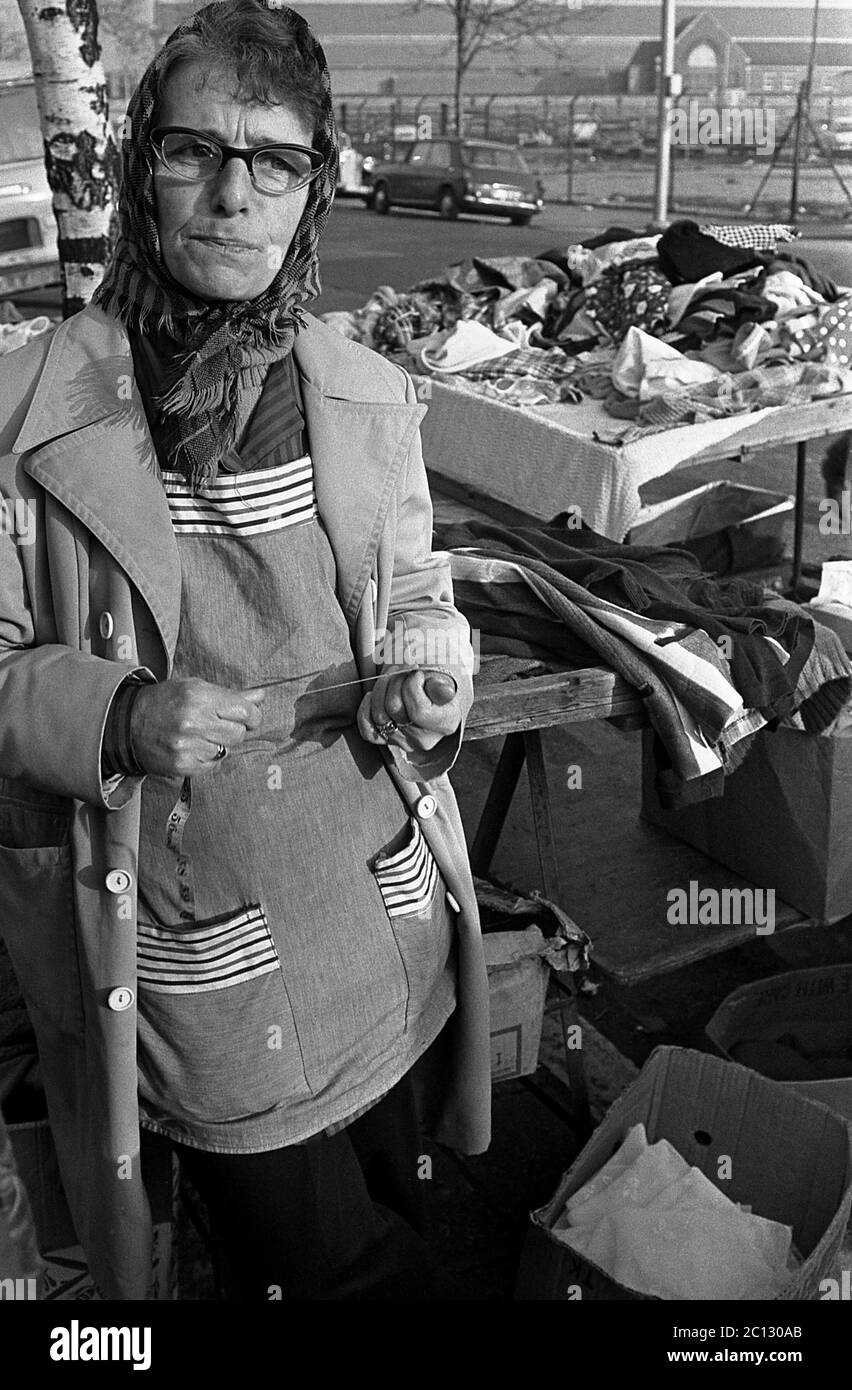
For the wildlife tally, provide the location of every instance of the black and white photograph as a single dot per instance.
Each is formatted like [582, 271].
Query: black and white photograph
[425, 675]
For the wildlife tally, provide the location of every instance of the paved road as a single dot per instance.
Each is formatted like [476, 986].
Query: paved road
[362, 250]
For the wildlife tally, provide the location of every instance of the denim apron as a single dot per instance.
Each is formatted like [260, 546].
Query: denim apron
[295, 943]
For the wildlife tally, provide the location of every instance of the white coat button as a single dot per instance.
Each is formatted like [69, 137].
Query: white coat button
[118, 881]
[453, 903]
[120, 999]
[106, 626]
[426, 807]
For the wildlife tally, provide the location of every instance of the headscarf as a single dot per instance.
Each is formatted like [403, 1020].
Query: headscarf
[213, 356]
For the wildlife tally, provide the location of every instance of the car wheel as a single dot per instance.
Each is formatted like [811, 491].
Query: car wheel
[380, 201]
[520, 219]
[448, 207]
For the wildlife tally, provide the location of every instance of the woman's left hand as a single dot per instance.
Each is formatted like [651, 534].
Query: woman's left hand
[413, 710]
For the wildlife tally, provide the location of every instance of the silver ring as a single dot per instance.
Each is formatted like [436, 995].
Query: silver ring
[386, 729]
[221, 752]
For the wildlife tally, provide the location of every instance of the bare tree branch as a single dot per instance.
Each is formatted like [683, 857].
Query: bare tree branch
[480, 26]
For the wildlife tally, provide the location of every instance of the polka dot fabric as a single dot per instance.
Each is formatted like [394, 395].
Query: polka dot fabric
[836, 328]
[824, 338]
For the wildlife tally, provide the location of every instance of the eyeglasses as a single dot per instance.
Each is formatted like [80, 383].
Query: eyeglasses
[273, 168]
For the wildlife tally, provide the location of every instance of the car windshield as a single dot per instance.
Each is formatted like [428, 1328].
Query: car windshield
[20, 127]
[496, 157]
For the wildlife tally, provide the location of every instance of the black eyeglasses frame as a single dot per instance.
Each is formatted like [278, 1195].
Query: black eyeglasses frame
[234, 152]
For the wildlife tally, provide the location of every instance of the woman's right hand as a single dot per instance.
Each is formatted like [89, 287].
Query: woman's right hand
[177, 726]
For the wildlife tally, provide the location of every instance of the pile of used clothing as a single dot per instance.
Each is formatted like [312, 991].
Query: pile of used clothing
[665, 330]
[713, 661]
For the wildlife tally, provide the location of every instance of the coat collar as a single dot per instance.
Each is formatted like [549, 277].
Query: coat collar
[88, 444]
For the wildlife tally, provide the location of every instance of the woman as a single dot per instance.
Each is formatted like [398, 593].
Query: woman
[216, 749]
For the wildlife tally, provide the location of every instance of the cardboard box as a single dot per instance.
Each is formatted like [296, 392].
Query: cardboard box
[66, 1276]
[517, 984]
[808, 1003]
[837, 616]
[791, 1161]
[782, 823]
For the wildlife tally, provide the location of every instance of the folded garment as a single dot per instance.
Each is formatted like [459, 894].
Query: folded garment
[469, 345]
[644, 367]
[759, 236]
[687, 254]
[807, 273]
[770, 384]
[660, 1227]
[720, 309]
[529, 303]
[579, 597]
[628, 294]
[630, 363]
[640, 248]
[788, 291]
[541, 365]
[829, 338]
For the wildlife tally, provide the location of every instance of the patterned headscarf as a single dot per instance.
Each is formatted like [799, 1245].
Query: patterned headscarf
[213, 356]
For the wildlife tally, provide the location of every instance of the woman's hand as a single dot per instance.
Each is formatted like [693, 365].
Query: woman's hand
[423, 706]
[177, 727]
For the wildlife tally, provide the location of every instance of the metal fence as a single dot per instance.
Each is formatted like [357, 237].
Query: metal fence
[547, 120]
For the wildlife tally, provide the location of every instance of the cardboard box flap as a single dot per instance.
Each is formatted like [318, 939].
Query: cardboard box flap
[790, 1158]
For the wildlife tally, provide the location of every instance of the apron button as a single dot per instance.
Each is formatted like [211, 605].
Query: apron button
[106, 626]
[120, 999]
[118, 881]
[453, 903]
[426, 807]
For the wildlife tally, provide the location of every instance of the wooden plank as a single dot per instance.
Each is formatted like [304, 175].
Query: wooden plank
[564, 697]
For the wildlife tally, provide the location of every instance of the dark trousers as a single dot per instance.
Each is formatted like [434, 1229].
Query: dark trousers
[334, 1218]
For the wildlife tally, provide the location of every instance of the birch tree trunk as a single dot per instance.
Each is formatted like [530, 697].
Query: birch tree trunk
[80, 154]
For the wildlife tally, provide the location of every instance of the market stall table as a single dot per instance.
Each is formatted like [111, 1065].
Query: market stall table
[543, 460]
[632, 940]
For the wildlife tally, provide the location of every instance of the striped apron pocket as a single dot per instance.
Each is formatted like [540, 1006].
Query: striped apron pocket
[206, 1055]
[214, 956]
[413, 893]
[408, 879]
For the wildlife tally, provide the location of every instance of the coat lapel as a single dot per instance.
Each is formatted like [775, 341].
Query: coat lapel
[87, 443]
[358, 444]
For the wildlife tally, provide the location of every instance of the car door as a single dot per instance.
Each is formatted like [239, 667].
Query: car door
[430, 168]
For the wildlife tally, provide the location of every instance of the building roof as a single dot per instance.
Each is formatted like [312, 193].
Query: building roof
[828, 55]
[770, 54]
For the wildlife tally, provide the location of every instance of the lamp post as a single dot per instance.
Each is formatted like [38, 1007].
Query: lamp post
[669, 87]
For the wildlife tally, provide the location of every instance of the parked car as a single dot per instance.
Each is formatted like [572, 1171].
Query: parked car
[619, 142]
[452, 176]
[29, 256]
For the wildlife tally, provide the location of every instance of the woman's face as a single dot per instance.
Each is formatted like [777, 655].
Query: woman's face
[223, 238]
